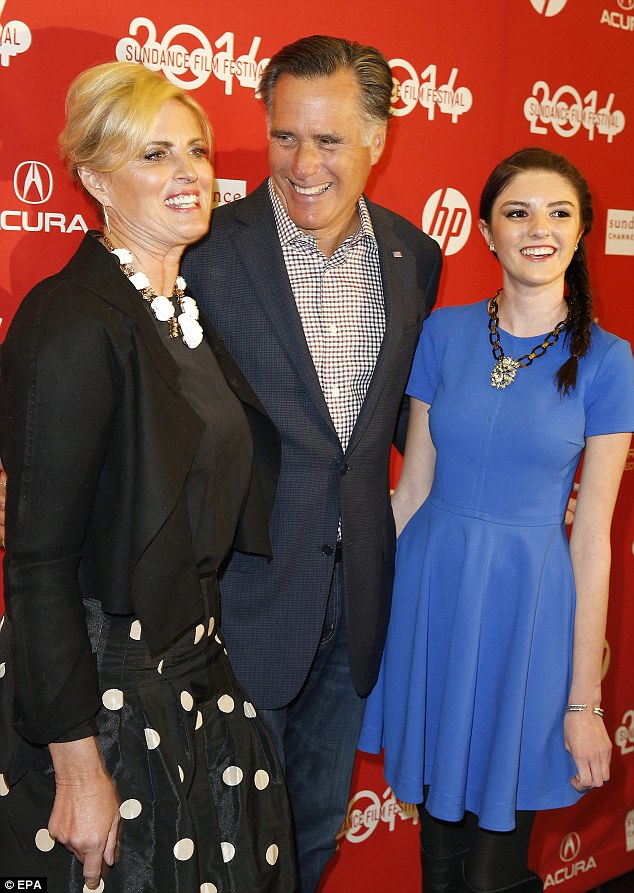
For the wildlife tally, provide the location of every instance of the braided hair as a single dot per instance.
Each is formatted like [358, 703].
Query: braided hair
[578, 294]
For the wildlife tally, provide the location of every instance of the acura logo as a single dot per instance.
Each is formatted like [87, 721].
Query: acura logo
[626, 4]
[33, 182]
[570, 846]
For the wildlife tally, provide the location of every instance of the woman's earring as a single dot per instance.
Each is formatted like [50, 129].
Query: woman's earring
[576, 246]
[491, 246]
[107, 222]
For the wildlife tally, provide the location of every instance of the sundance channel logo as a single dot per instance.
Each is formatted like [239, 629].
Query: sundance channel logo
[619, 232]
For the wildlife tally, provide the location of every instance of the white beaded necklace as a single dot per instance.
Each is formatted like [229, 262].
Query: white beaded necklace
[186, 325]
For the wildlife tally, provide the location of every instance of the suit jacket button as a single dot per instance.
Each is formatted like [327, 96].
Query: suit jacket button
[344, 468]
[327, 549]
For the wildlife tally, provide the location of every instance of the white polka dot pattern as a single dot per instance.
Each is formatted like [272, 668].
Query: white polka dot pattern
[272, 853]
[160, 666]
[4, 787]
[232, 775]
[218, 640]
[135, 630]
[187, 702]
[212, 623]
[261, 779]
[152, 738]
[200, 632]
[43, 840]
[184, 849]
[208, 888]
[3, 668]
[228, 851]
[249, 710]
[181, 774]
[112, 699]
[226, 703]
[199, 721]
[130, 809]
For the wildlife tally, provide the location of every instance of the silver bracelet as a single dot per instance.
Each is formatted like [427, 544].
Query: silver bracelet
[577, 708]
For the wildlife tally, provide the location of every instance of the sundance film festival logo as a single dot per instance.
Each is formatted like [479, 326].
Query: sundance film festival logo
[622, 18]
[548, 7]
[624, 735]
[447, 219]
[33, 185]
[186, 58]
[366, 811]
[570, 855]
[412, 90]
[566, 112]
[15, 38]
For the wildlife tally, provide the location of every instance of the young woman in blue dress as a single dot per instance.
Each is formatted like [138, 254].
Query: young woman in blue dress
[489, 701]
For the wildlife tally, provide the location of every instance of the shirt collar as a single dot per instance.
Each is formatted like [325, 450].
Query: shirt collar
[290, 233]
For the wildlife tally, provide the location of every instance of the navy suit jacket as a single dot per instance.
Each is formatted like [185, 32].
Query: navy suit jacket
[273, 611]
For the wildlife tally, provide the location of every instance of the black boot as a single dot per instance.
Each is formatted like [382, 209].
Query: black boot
[442, 874]
[531, 884]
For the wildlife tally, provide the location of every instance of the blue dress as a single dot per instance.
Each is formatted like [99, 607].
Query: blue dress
[477, 664]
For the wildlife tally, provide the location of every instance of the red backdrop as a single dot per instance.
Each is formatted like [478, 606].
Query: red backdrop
[475, 79]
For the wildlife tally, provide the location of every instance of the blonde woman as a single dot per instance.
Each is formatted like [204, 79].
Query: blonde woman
[137, 457]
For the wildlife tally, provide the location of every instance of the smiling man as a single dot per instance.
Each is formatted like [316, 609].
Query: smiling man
[320, 296]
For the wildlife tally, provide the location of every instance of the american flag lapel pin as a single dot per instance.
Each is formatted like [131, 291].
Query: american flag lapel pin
[397, 254]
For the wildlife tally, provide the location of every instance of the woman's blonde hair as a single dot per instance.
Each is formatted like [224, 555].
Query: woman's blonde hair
[110, 112]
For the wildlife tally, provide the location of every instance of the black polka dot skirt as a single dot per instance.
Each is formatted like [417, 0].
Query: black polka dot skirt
[203, 802]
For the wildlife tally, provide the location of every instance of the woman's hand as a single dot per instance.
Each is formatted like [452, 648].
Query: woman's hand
[588, 743]
[85, 816]
[571, 508]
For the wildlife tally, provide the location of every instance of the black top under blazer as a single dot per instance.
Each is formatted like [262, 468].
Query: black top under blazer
[97, 441]
[273, 612]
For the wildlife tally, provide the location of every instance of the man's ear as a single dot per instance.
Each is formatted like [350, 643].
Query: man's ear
[377, 143]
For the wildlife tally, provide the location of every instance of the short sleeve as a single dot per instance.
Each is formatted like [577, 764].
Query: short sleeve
[610, 397]
[423, 379]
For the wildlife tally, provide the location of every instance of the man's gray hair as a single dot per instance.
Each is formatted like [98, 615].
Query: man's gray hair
[320, 56]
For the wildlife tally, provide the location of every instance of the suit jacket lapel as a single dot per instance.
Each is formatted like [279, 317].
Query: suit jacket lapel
[396, 269]
[259, 247]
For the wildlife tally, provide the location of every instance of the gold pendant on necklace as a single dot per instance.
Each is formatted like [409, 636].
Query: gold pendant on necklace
[503, 373]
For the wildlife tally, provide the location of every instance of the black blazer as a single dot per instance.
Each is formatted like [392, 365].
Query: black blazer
[273, 613]
[97, 442]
